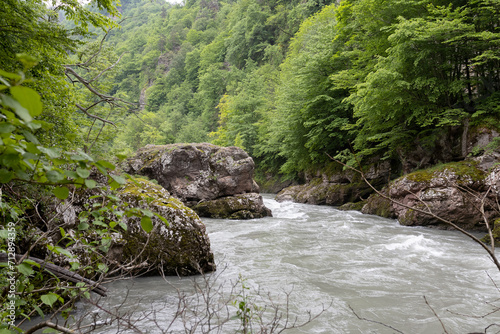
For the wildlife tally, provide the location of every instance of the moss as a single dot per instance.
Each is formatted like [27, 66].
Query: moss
[496, 234]
[352, 206]
[463, 170]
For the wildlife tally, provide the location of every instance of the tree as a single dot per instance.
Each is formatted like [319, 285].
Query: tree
[425, 83]
[310, 112]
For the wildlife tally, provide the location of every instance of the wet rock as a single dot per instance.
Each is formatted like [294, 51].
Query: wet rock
[243, 206]
[335, 187]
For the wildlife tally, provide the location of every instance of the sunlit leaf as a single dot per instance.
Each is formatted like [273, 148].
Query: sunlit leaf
[49, 298]
[28, 98]
[25, 269]
[83, 173]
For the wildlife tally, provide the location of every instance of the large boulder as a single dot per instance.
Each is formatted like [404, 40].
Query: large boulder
[177, 246]
[197, 173]
[453, 191]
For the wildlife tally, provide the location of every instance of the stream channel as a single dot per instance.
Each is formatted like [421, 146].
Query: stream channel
[344, 260]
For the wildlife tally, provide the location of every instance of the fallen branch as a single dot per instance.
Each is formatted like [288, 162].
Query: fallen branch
[60, 272]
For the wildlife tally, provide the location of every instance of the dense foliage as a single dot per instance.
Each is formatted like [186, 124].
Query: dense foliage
[291, 81]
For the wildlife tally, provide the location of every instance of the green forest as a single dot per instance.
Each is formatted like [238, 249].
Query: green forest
[291, 82]
[294, 83]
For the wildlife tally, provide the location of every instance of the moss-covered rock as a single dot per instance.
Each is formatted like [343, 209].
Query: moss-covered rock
[180, 247]
[333, 186]
[358, 206]
[243, 206]
[378, 205]
[495, 232]
[452, 191]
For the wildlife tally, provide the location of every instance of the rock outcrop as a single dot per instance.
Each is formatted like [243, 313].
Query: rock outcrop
[242, 206]
[452, 191]
[200, 173]
[335, 187]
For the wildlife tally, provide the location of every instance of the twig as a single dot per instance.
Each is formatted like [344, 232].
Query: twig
[373, 321]
[442, 324]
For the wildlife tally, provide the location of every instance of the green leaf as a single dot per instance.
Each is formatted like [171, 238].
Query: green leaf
[146, 224]
[91, 184]
[20, 111]
[6, 331]
[53, 153]
[106, 164]
[54, 176]
[30, 137]
[83, 173]
[147, 213]
[123, 225]
[81, 156]
[163, 219]
[119, 179]
[5, 175]
[114, 185]
[32, 263]
[28, 98]
[6, 127]
[25, 269]
[9, 75]
[83, 226]
[11, 160]
[49, 298]
[61, 192]
[38, 310]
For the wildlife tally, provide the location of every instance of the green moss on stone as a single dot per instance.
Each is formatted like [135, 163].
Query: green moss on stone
[462, 169]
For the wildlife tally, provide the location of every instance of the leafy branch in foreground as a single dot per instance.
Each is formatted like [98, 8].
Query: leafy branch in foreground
[36, 178]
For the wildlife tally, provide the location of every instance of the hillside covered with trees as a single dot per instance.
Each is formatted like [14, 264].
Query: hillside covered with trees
[291, 81]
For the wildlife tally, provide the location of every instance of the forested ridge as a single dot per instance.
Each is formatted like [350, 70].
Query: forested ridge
[292, 81]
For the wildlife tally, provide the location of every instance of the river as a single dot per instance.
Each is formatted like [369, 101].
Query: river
[351, 263]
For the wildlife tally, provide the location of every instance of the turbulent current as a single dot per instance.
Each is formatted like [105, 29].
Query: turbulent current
[371, 274]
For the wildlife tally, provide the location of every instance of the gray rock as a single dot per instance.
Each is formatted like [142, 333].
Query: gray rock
[452, 191]
[243, 206]
[198, 172]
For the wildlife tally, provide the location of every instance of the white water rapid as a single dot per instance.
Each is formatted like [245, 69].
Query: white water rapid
[324, 256]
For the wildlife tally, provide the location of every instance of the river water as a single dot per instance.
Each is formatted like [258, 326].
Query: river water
[351, 263]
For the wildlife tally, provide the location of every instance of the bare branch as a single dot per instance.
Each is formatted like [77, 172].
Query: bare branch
[85, 110]
[373, 321]
[442, 325]
[50, 325]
